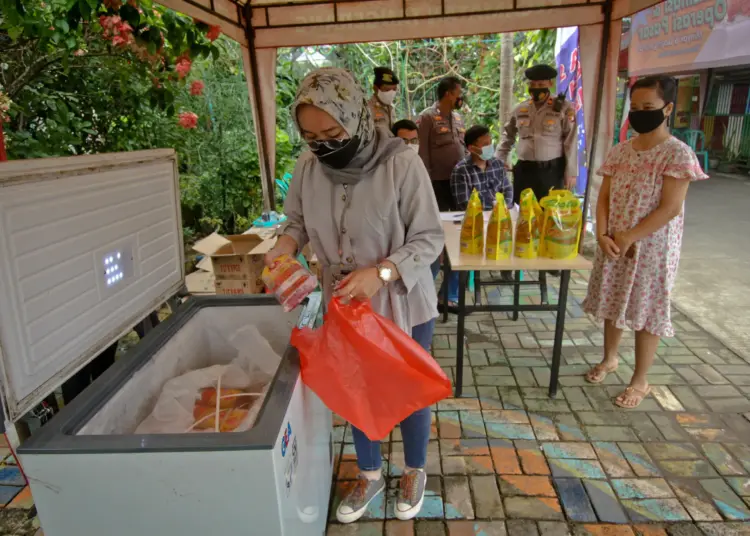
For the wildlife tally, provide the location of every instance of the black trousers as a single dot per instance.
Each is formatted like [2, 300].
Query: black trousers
[539, 176]
[443, 195]
[81, 379]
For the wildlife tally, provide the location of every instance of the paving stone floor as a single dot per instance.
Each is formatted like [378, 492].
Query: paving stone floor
[507, 460]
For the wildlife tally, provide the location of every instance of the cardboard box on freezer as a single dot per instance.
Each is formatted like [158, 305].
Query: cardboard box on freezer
[236, 261]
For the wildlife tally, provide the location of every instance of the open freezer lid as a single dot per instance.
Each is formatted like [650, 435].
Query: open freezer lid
[89, 245]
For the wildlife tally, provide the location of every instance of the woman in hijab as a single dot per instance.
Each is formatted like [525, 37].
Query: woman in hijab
[364, 202]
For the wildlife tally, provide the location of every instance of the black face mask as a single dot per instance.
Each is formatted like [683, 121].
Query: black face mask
[336, 154]
[459, 103]
[645, 121]
[539, 94]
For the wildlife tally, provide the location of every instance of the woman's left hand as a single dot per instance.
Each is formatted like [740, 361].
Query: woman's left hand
[361, 285]
[623, 241]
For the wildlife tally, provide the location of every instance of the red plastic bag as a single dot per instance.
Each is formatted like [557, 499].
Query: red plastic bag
[367, 370]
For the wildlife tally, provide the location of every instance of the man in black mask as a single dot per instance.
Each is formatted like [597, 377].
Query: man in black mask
[441, 138]
[548, 149]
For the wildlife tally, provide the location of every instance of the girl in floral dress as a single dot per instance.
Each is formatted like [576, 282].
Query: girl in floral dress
[639, 220]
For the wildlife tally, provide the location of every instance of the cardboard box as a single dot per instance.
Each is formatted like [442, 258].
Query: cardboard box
[201, 282]
[235, 258]
[233, 287]
[264, 233]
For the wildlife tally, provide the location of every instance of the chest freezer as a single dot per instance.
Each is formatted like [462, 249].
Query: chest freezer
[90, 474]
[89, 246]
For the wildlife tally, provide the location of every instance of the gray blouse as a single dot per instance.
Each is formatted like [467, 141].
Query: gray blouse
[392, 215]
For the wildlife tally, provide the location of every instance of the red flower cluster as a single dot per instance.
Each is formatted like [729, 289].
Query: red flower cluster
[213, 33]
[196, 88]
[188, 120]
[183, 66]
[117, 30]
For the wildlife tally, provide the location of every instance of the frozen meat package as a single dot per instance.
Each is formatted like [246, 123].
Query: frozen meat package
[218, 398]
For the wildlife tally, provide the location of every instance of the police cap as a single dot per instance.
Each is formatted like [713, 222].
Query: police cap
[384, 75]
[541, 72]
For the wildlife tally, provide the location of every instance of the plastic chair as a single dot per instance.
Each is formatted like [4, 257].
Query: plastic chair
[692, 138]
[679, 133]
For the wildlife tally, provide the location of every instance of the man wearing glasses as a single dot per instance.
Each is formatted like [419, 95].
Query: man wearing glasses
[408, 131]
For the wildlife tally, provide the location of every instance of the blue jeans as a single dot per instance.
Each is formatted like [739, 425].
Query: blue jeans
[415, 429]
[452, 282]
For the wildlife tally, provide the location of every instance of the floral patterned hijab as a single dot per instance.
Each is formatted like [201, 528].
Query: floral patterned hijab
[336, 92]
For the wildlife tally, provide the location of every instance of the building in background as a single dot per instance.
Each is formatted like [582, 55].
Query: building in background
[705, 45]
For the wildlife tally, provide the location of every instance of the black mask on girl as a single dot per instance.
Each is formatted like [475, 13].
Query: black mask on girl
[459, 103]
[336, 154]
[645, 121]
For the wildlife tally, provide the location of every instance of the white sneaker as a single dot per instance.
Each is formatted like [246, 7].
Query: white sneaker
[410, 494]
[355, 504]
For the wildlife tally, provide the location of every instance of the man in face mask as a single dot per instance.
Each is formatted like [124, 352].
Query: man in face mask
[548, 146]
[408, 131]
[381, 103]
[441, 138]
[480, 171]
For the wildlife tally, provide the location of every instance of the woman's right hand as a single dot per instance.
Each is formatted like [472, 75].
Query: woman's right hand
[271, 257]
[285, 245]
[609, 247]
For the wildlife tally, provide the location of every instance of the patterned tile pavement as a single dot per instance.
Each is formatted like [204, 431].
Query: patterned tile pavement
[15, 496]
[505, 460]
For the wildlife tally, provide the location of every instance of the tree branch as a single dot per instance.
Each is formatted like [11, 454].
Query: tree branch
[32, 71]
[366, 55]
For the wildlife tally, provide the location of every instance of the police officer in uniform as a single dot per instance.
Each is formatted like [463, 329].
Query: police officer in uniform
[441, 138]
[381, 103]
[547, 149]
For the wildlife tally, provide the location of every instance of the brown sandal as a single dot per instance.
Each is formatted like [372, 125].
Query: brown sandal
[597, 373]
[637, 394]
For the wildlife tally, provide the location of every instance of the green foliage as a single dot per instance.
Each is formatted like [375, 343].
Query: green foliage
[93, 76]
[420, 65]
[74, 92]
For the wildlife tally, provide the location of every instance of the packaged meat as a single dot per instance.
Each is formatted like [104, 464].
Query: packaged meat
[235, 391]
[229, 419]
[229, 398]
[290, 282]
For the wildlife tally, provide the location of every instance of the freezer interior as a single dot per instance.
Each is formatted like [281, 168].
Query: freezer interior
[213, 336]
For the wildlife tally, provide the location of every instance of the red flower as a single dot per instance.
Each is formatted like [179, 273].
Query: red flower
[188, 120]
[119, 41]
[196, 88]
[213, 33]
[183, 66]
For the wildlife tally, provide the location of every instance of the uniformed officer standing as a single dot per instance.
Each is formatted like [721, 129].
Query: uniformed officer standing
[381, 103]
[547, 150]
[441, 138]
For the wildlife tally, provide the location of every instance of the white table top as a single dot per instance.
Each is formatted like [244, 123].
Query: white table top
[463, 262]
